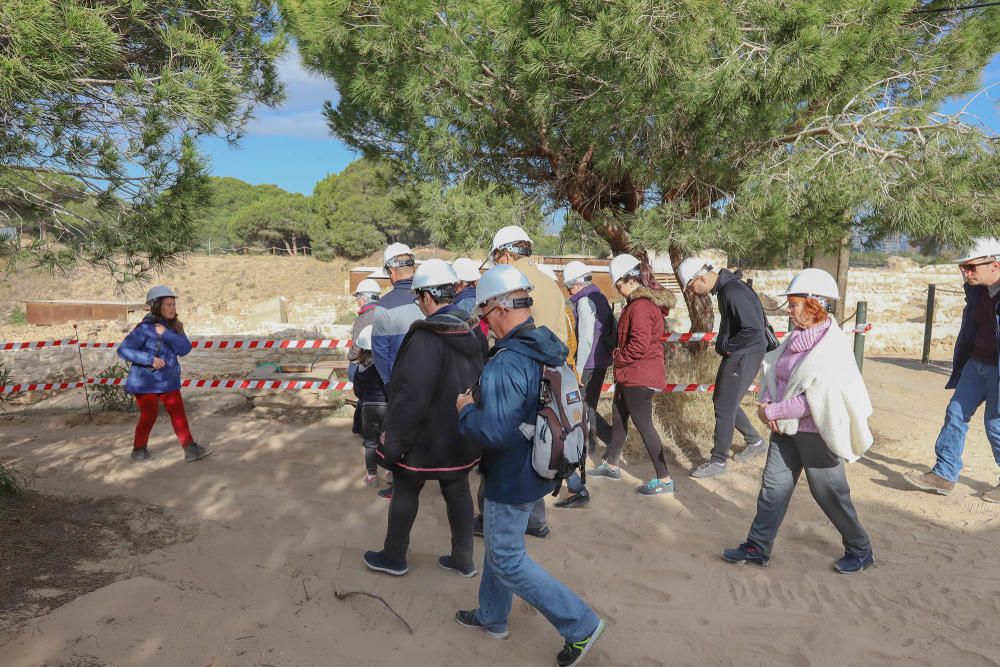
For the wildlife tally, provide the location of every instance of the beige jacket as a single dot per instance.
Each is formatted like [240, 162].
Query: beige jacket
[549, 309]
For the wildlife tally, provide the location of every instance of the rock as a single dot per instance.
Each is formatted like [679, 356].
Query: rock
[270, 311]
[896, 263]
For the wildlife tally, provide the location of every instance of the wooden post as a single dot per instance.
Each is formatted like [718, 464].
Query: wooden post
[860, 320]
[925, 356]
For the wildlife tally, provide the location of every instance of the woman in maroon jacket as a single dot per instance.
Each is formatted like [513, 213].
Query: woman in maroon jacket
[638, 364]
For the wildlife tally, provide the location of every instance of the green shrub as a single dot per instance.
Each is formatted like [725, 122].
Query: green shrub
[17, 316]
[114, 398]
[13, 480]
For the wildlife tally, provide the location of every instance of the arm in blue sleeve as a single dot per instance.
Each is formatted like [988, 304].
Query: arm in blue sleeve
[494, 421]
[131, 350]
[381, 344]
[178, 342]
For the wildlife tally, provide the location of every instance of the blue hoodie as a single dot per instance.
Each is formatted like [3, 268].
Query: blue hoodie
[508, 397]
[394, 313]
[967, 332]
[141, 346]
[466, 299]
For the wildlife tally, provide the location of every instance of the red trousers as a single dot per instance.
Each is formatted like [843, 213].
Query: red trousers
[149, 409]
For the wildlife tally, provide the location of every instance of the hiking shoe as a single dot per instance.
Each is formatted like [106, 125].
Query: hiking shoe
[378, 561]
[386, 493]
[604, 470]
[853, 563]
[540, 532]
[448, 563]
[655, 487]
[477, 526]
[710, 468]
[930, 482]
[140, 454]
[467, 619]
[745, 553]
[371, 481]
[750, 452]
[991, 496]
[195, 452]
[581, 499]
[573, 653]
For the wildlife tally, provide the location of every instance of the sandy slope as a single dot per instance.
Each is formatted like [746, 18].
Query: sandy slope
[283, 520]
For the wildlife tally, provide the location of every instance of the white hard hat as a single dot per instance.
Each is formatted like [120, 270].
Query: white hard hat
[466, 269]
[575, 271]
[368, 286]
[498, 281]
[548, 270]
[691, 268]
[435, 276]
[814, 283]
[158, 292]
[397, 254]
[984, 247]
[364, 339]
[506, 237]
[622, 266]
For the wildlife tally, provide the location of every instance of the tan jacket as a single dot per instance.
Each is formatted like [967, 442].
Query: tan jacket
[549, 309]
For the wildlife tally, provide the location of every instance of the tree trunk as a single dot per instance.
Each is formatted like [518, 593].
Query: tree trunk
[837, 264]
[700, 308]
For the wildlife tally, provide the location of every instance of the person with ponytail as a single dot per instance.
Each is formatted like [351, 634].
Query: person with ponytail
[153, 349]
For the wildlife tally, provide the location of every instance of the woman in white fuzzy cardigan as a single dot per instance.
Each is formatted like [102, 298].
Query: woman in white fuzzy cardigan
[817, 407]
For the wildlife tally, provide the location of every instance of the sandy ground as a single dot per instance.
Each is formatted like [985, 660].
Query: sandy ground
[282, 520]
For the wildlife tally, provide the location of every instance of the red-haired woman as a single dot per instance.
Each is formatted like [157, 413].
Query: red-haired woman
[638, 370]
[153, 348]
[817, 407]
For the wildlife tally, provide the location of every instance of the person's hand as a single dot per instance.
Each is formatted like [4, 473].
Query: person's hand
[762, 415]
[464, 399]
[158, 363]
[160, 329]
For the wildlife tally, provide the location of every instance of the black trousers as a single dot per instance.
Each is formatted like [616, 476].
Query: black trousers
[635, 403]
[592, 380]
[787, 457]
[734, 378]
[403, 512]
[372, 417]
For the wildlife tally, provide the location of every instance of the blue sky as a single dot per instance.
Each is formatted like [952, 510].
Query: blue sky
[291, 146]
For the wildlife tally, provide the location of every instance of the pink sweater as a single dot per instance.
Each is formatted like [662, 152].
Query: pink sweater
[796, 407]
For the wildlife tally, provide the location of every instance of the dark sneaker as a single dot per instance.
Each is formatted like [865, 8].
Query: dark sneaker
[581, 499]
[573, 653]
[746, 553]
[195, 452]
[604, 470]
[386, 493]
[751, 452]
[930, 482]
[853, 563]
[378, 561]
[540, 532]
[448, 563]
[710, 468]
[140, 454]
[993, 495]
[477, 526]
[655, 487]
[467, 619]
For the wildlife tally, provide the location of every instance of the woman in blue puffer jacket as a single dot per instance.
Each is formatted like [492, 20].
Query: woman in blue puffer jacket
[153, 348]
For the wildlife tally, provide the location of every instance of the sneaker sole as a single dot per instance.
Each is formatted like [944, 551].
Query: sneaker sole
[395, 573]
[708, 476]
[199, 458]
[745, 561]
[863, 568]
[925, 487]
[494, 635]
[601, 625]
[987, 499]
[469, 575]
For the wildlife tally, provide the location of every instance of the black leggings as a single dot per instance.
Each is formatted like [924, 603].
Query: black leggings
[637, 403]
[403, 512]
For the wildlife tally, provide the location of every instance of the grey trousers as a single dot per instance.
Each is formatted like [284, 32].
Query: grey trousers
[536, 520]
[787, 456]
[734, 378]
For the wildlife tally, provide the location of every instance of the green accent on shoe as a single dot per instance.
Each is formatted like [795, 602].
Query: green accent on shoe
[655, 487]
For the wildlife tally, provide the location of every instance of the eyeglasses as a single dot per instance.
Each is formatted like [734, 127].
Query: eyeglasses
[972, 268]
[483, 316]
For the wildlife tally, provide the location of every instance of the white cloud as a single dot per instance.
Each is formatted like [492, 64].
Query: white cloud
[303, 124]
[301, 114]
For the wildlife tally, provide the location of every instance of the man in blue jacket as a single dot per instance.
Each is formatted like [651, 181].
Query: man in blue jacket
[507, 399]
[975, 374]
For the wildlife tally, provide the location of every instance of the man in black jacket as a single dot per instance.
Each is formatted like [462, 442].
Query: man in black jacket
[440, 357]
[741, 342]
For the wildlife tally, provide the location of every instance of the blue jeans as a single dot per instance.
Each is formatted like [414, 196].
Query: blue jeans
[978, 383]
[507, 569]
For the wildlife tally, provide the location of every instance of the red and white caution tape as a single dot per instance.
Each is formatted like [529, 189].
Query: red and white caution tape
[317, 385]
[36, 344]
[679, 388]
[705, 336]
[205, 344]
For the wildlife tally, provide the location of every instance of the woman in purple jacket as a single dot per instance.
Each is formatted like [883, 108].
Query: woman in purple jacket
[153, 348]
